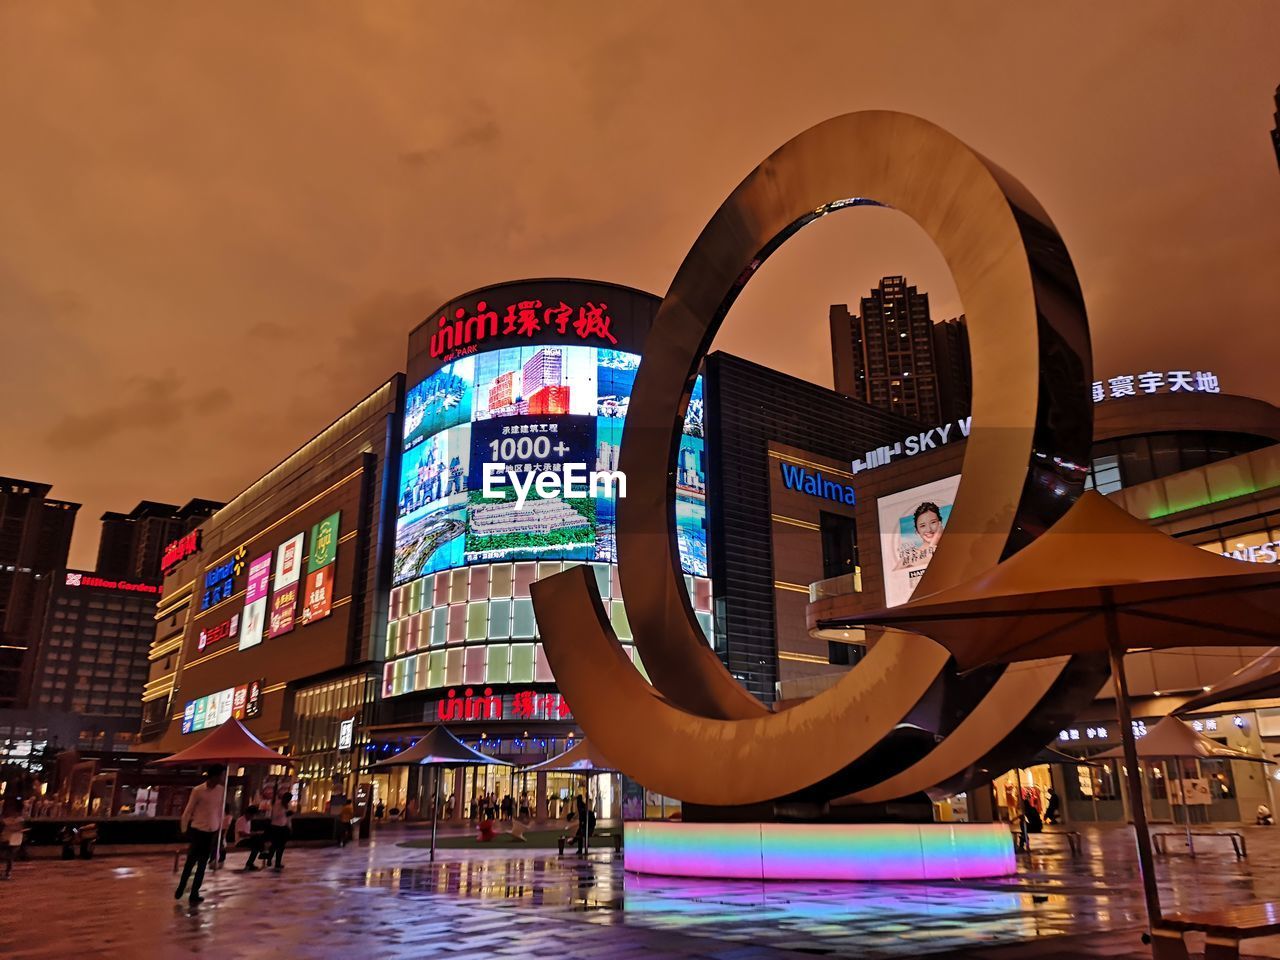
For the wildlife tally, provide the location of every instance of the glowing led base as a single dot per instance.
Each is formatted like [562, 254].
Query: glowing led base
[820, 851]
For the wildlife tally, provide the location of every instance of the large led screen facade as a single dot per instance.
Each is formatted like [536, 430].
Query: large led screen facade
[528, 378]
[911, 525]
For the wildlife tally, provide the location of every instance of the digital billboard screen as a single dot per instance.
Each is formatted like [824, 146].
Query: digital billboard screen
[911, 525]
[527, 410]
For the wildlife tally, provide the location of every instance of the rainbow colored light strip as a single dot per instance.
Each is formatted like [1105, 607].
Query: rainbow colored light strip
[820, 851]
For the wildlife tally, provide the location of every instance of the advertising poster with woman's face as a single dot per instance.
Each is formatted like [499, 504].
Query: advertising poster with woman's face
[911, 526]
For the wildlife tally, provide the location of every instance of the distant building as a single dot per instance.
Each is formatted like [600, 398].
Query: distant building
[35, 537]
[92, 658]
[888, 355]
[954, 366]
[133, 544]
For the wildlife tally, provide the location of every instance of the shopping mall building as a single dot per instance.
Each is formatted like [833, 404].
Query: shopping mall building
[376, 582]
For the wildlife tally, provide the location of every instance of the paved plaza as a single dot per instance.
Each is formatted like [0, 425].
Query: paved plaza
[380, 899]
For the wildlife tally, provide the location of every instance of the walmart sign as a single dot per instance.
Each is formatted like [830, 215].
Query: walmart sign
[795, 477]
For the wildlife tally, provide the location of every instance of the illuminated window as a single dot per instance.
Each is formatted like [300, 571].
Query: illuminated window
[458, 622]
[477, 621]
[473, 671]
[500, 580]
[548, 568]
[435, 669]
[621, 625]
[453, 666]
[421, 671]
[542, 668]
[604, 578]
[458, 585]
[439, 626]
[499, 619]
[522, 662]
[479, 583]
[498, 669]
[441, 590]
[525, 573]
[523, 623]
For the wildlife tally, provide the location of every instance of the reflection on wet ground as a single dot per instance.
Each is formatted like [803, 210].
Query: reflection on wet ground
[381, 900]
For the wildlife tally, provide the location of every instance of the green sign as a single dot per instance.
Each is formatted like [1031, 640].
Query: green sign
[324, 542]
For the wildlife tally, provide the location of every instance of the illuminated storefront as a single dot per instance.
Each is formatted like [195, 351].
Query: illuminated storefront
[275, 615]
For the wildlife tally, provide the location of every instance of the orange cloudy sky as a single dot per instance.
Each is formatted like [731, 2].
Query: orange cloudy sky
[220, 220]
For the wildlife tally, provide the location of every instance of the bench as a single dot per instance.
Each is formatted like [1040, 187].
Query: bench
[616, 836]
[1160, 840]
[1223, 930]
[1073, 839]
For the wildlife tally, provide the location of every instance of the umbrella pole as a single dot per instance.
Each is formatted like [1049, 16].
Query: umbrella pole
[222, 813]
[1186, 809]
[1146, 864]
[435, 808]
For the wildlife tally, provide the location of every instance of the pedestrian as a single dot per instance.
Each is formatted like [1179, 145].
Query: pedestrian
[506, 807]
[1053, 810]
[379, 810]
[279, 830]
[580, 807]
[201, 821]
[11, 830]
[249, 839]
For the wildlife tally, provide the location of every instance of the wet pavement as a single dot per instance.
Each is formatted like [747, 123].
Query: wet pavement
[381, 900]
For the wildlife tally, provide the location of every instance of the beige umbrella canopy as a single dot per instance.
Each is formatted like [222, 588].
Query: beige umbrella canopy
[1052, 597]
[438, 747]
[583, 757]
[1098, 580]
[1171, 739]
[1258, 678]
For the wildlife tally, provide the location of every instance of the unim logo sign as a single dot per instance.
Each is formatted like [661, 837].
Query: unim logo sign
[813, 483]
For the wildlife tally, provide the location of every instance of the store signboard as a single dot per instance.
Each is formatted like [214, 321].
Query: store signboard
[284, 605]
[289, 561]
[911, 525]
[346, 734]
[259, 578]
[324, 542]
[223, 631]
[317, 602]
[215, 709]
[253, 623]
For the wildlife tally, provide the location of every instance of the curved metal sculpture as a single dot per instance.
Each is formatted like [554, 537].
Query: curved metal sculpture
[695, 733]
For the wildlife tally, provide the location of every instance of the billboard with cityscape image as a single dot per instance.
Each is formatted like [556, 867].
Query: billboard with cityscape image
[533, 408]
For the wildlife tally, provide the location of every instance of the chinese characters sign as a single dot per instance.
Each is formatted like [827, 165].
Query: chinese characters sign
[204, 713]
[255, 606]
[462, 333]
[219, 581]
[520, 705]
[179, 550]
[223, 631]
[1172, 381]
[284, 603]
[317, 601]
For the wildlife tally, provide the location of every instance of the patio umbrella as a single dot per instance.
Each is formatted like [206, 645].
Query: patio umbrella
[438, 748]
[1257, 678]
[1171, 739]
[583, 758]
[1098, 580]
[230, 743]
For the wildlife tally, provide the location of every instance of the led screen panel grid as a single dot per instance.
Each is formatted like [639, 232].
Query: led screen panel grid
[527, 408]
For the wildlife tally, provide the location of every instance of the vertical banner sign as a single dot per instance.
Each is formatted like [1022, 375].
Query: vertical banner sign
[324, 542]
[317, 596]
[253, 701]
[284, 605]
[238, 701]
[284, 602]
[255, 602]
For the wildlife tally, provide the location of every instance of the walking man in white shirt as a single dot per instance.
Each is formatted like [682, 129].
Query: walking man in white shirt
[201, 821]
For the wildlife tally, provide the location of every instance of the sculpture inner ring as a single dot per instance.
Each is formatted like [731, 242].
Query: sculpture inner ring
[695, 733]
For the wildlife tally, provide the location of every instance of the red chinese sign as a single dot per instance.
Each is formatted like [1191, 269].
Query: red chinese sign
[179, 550]
[317, 599]
[284, 605]
[521, 705]
[223, 631]
[525, 318]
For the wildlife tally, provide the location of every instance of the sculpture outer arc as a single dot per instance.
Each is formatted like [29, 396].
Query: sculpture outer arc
[972, 221]
[913, 166]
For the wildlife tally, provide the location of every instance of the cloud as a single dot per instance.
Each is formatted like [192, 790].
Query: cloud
[151, 404]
